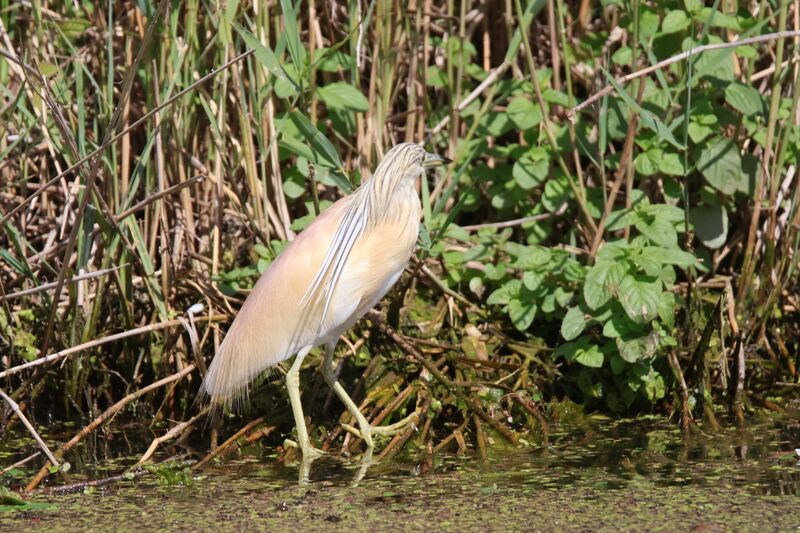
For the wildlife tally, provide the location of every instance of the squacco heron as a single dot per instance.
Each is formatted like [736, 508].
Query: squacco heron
[321, 284]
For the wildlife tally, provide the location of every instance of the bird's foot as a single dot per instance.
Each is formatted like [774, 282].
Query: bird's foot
[309, 452]
[366, 431]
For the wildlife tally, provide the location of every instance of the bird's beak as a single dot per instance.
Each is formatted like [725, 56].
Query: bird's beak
[434, 160]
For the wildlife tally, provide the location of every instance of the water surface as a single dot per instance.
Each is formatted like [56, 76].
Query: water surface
[603, 475]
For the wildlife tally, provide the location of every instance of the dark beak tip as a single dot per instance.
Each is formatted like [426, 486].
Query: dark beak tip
[446, 160]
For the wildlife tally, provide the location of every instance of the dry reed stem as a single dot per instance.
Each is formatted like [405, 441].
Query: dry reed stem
[75, 279]
[222, 447]
[98, 342]
[106, 415]
[32, 430]
[444, 380]
[144, 118]
[173, 433]
[21, 462]
[83, 485]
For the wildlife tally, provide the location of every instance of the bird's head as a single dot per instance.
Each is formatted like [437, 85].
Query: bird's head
[408, 160]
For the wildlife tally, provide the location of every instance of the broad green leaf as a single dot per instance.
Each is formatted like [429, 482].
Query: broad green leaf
[639, 297]
[647, 118]
[713, 63]
[621, 219]
[698, 132]
[659, 231]
[340, 95]
[583, 350]
[744, 99]
[623, 56]
[620, 326]
[602, 281]
[667, 212]
[528, 257]
[693, 6]
[717, 19]
[532, 279]
[292, 189]
[721, 164]
[669, 256]
[529, 173]
[648, 23]
[647, 163]
[648, 262]
[521, 314]
[591, 356]
[556, 192]
[710, 224]
[666, 308]
[504, 294]
[654, 386]
[523, 113]
[573, 324]
[671, 164]
[638, 348]
[675, 21]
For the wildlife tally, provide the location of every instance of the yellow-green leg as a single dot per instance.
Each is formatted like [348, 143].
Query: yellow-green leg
[365, 430]
[293, 386]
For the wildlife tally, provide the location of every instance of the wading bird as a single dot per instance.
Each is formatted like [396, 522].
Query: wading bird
[321, 284]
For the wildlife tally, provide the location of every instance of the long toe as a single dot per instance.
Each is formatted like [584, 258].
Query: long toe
[397, 427]
[310, 453]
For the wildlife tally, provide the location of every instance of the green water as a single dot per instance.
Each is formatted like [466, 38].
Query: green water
[602, 475]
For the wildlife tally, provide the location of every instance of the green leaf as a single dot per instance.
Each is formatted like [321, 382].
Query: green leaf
[620, 326]
[522, 314]
[532, 279]
[623, 56]
[292, 189]
[591, 357]
[668, 256]
[639, 348]
[322, 147]
[639, 297]
[504, 294]
[666, 308]
[671, 164]
[529, 173]
[698, 132]
[583, 351]
[528, 257]
[523, 113]
[647, 163]
[340, 95]
[659, 231]
[710, 224]
[648, 23]
[265, 56]
[296, 49]
[556, 192]
[531, 10]
[671, 213]
[675, 21]
[721, 164]
[647, 118]
[744, 98]
[573, 324]
[654, 386]
[602, 281]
